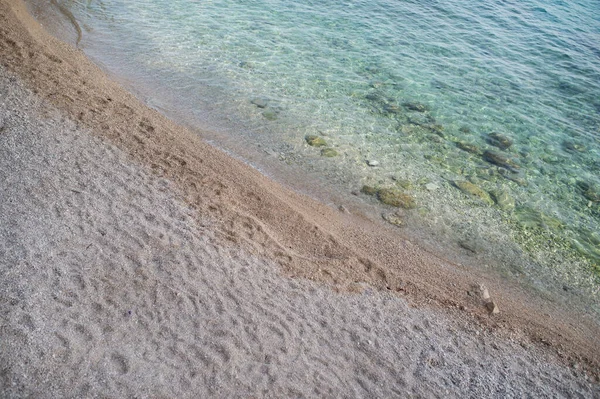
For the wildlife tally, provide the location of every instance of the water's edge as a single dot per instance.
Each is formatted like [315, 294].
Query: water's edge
[516, 248]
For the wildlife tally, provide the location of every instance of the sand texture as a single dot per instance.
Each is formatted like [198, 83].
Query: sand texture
[138, 261]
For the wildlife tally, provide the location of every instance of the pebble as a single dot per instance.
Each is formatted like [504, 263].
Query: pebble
[503, 200]
[474, 191]
[270, 114]
[431, 187]
[500, 160]
[343, 209]
[372, 163]
[415, 106]
[396, 198]
[259, 102]
[499, 140]
[394, 218]
[492, 307]
[329, 152]
[315, 141]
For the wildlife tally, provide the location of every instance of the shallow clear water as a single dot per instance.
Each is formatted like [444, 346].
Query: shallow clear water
[417, 86]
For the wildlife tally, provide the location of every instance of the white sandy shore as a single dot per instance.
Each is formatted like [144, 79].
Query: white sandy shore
[111, 287]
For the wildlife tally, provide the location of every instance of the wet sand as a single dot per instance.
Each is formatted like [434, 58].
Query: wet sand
[137, 260]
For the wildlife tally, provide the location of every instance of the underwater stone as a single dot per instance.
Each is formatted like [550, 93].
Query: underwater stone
[373, 162]
[499, 140]
[473, 190]
[468, 147]
[329, 152]
[528, 217]
[315, 141]
[418, 107]
[435, 138]
[376, 97]
[394, 218]
[431, 187]
[259, 102]
[369, 190]
[514, 177]
[503, 200]
[500, 160]
[270, 114]
[422, 120]
[404, 183]
[572, 146]
[589, 191]
[437, 129]
[396, 198]
[392, 109]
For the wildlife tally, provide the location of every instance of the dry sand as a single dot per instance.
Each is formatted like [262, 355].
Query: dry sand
[136, 260]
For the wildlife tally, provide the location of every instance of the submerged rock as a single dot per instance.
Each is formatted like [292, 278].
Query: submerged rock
[514, 176]
[531, 218]
[418, 107]
[369, 190]
[435, 128]
[587, 243]
[270, 114]
[468, 147]
[329, 152]
[499, 140]
[424, 121]
[397, 198]
[404, 183]
[315, 141]
[473, 190]
[572, 146]
[503, 200]
[498, 159]
[392, 109]
[394, 218]
[436, 138]
[260, 102]
[589, 191]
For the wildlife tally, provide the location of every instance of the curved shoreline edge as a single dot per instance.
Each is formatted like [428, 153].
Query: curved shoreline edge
[69, 16]
[307, 239]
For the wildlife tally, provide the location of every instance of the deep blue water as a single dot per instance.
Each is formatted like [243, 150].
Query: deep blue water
[418, 86]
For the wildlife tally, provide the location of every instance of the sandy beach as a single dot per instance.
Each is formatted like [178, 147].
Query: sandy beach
[136, 260]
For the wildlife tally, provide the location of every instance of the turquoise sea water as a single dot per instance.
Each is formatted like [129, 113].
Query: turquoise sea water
[503, 95]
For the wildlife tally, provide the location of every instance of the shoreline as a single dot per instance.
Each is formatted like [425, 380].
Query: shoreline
[444, 222]
[307, 239]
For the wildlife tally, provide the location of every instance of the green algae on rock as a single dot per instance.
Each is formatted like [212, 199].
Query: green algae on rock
[499, 140]
[473, 190]
[468, 147]
[498, 159]
[329, 152]
[395, 197]
[369, 190]
[315, 141]
[418, 107]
